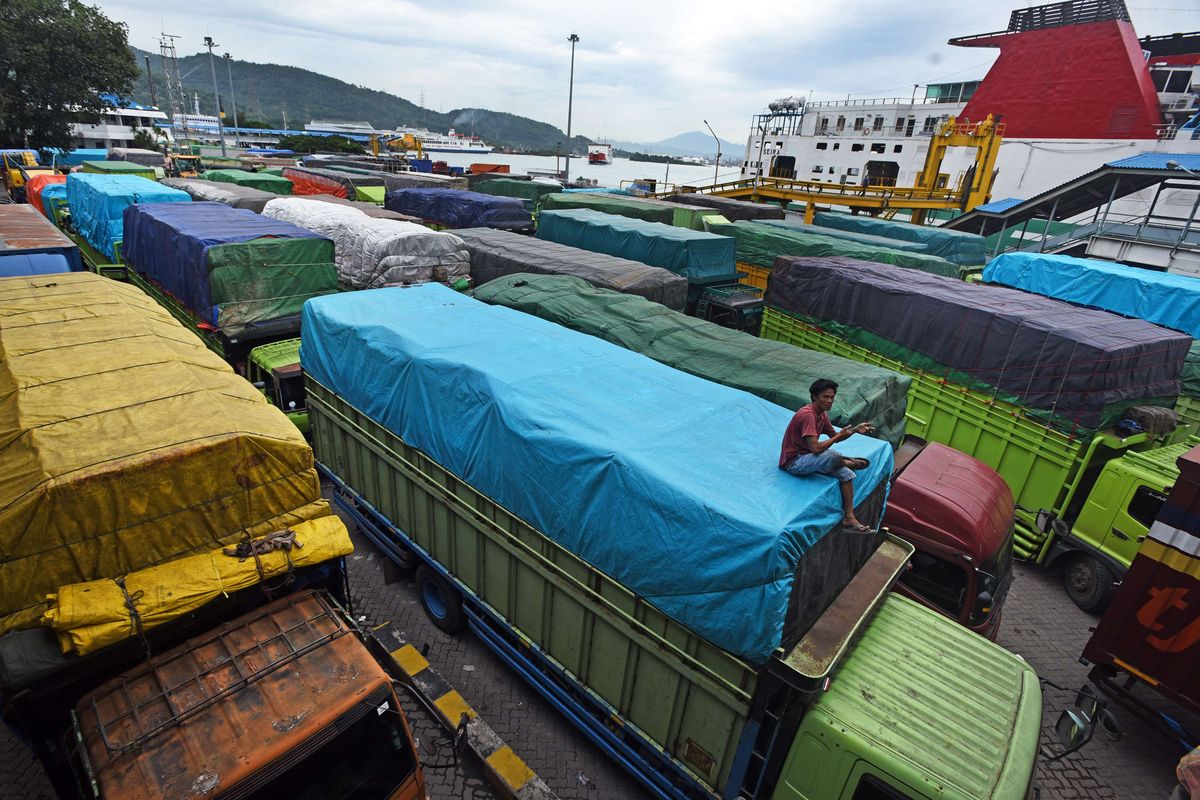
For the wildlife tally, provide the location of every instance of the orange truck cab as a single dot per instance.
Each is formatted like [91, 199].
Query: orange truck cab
[958, 513]
[285, 701]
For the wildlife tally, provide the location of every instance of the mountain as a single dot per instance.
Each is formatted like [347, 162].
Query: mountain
[692, 143]
[268, 92]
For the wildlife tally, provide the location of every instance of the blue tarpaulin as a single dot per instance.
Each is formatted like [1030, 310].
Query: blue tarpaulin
[170, 244]
[694, 254]
[98, 201]
[52, 191]
[14, 264]
[77, 157]
[457, 208]
[1163, 298]
[604, 450]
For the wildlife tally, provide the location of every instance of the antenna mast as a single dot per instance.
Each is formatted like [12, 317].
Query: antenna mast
[176, 98]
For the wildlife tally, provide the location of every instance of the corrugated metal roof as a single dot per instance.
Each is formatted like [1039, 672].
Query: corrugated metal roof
[1159, 161]
[997, 206]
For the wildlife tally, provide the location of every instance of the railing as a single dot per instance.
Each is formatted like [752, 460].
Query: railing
[836, 190]
[875, 101]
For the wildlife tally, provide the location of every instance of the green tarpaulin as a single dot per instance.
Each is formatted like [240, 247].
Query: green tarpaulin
[1189, 376]
[759, 244]
[959, 247]
[371, 194]
[510, 187]
[266, 279]
[778, 372]
[255, 180]
[120, 168]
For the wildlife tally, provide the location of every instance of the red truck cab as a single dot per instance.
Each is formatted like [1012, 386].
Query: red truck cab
[959, 513]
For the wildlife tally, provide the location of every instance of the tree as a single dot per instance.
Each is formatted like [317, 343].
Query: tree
[57, 57]
[319, 144]
[145, 140]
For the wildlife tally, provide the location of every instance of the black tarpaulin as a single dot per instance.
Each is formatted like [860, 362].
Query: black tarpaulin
[1047, 354]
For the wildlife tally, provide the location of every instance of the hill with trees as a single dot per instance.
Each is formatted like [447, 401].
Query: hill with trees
[266, 92]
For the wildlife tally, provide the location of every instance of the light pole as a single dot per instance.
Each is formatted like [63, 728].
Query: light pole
[210, 44]
[232, 97]
[717, 166]
[570, 98]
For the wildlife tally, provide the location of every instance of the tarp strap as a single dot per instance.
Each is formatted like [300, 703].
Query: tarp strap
[281, 540]
[131, 601]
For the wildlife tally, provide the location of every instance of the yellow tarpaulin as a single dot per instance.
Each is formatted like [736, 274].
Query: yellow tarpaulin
[125, 442]
[89, 616]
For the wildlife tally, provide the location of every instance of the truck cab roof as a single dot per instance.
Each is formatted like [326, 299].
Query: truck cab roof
[964, 501]
[965, 702]
[211, 714]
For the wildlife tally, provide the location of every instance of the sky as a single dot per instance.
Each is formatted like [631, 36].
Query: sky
[644, 70]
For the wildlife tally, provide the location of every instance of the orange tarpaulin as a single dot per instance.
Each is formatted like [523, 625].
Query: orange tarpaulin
[33, 188]
[306, 182]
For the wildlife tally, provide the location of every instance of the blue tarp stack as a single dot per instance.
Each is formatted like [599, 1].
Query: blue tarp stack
[77, 157]
[98, 201]
[716, 537]
[456, 208]
[1172, 301]
[696, 255]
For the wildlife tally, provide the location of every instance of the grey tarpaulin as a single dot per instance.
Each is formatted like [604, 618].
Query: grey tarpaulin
[365, 206]
[778, 372]
[370, 253]
[228, 193]
[1048, 354]
[496, 253]
[731, 209]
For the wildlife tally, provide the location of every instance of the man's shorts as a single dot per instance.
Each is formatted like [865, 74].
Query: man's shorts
[820, 464]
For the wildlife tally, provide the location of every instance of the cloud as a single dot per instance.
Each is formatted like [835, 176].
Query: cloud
[643, 70]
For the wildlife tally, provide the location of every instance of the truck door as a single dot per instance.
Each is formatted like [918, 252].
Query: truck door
[1132, 521]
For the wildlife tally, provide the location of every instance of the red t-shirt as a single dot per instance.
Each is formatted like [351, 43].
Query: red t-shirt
[808, 421]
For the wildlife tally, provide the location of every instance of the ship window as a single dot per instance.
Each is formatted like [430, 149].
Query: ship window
[1179, 81]
[1146, 504]
[836, 145]
[856, 148]
[878, 147]
[878, 123]
[858, 123]
[841, 123]
[822, 145]
[852, 171]
[817, 170]
[897, 148]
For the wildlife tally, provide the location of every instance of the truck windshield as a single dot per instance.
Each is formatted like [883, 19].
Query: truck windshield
[369, 759]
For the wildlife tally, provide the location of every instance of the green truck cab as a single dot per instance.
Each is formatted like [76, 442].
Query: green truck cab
[850, 747]
[1081, 503]
[1113, 519]
[275, 370]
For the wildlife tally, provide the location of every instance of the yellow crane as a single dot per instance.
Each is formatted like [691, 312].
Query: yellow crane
[929, 194]
[401, 141]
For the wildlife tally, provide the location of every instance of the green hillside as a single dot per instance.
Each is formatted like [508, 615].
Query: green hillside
[265, 92]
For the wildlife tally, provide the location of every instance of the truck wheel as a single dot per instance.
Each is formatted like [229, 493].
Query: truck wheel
[1088, 583]
[441, 601]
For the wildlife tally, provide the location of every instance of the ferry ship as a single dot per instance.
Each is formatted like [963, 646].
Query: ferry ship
[1073, 84]
[450, 142]
[600, 153]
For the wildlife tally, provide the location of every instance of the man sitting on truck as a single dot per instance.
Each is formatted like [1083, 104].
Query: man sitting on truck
[805, 453]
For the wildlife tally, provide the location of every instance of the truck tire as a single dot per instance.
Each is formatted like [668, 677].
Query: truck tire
[441, 601]
[1089, 583]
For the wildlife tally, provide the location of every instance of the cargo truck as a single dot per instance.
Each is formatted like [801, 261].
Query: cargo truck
[193, 637]
[30, 244]
[275, 370]
[18, 167]
[955, 510]
[1083, 503]
[877, 698]
[1149, 638]
[235, 278]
